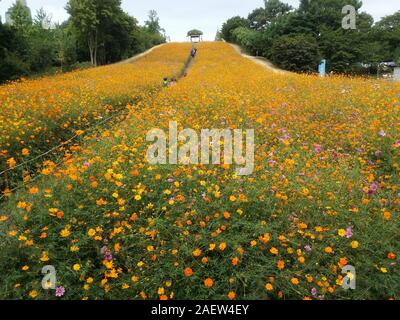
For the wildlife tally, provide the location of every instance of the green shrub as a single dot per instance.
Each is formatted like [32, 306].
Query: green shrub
[296, 53]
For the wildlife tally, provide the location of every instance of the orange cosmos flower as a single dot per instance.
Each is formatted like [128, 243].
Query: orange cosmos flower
[274, 251]
[209, 282]
[188, 272]
[328, 250]
[222, 246]
[235, 261]
[197, 253]
[342, 262]
[391, 256]
[269, 287]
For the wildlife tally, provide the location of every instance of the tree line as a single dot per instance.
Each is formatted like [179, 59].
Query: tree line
[297, 39]
[97, 32]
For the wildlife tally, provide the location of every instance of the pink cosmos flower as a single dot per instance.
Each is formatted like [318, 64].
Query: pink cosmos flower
[373, 188]
[349, 232]
[86, 164]
[314, 292]
[60, 291]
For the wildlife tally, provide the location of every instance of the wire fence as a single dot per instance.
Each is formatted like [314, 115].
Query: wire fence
[58, 164]
[185, 68]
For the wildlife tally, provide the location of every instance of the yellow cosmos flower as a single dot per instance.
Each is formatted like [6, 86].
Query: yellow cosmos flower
[76, 267]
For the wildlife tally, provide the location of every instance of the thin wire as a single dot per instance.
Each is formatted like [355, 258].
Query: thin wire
[186, 66]
[56, 147]
[23, 185]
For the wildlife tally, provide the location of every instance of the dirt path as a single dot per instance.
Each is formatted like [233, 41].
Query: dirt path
[185, 70]
[260, 60]
[188, 65]
[140, 55]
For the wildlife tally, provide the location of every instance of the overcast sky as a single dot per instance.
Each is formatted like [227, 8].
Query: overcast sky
[179, 16]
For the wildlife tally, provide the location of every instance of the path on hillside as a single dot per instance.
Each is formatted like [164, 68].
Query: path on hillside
[140, 55]
[184, 71]
[188, 65]
[259, 60]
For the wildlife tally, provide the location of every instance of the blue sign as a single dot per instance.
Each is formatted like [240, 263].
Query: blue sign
[322, 68]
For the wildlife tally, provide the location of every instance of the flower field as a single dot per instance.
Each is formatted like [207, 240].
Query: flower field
[325, 192]
[38, 115]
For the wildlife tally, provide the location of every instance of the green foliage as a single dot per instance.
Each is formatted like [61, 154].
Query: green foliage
[257, 19]
[143, 39]
[12, 65]
[109, 32]
[296, 53]
[42, 50]
[250, 39]
[21, 16]
[66, 44]
[153, 24]
[218, 36]
[98, 31]
[388, 32]
[346, 51]
[230, 26]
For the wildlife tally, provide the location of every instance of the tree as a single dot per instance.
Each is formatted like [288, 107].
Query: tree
[91, 18]
[258, 19]
[230, 25]
[250, 39]
[322, 20]
[86, 21]
[66, 46]
[261, 18]
[390, 23]
[153, 23]
[41, 44]
[325, 13]
[275, 9]
[97, 29]
[218, 35]
[20, 16]
[12, 65]
[118, 42]
[296, 53]
[42, 19]
[387, 31]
